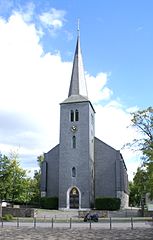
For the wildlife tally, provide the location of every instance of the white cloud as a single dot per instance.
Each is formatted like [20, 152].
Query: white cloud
[53, 19]
[34, 83]
[31, 83]
[97, 89]
[112, 126]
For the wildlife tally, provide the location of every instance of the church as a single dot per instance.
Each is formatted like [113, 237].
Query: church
[82, 167]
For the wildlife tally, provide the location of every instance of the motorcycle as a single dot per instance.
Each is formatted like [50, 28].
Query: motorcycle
[91, 217]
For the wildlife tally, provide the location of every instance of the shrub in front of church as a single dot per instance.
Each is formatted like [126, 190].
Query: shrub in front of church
[107, 203]
[8, 217]
[49, 202]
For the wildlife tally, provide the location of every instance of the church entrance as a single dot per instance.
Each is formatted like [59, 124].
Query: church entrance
[74, 198]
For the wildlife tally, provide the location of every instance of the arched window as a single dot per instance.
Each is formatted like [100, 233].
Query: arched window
[76, 115]
[73, 172]
[72, 116]
[74, 141]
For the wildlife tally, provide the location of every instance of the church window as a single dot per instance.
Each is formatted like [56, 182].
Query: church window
[74, 141]
[73, 172]
[92, 174]
[72, 116]
[76, 115]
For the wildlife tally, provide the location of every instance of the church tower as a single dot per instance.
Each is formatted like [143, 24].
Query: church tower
[81, 167]
[76, 148]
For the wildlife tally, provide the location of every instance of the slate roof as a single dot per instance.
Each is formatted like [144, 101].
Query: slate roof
[78, 88]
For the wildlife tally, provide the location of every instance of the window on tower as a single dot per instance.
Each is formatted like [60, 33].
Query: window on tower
[73, 172]
[72, 116]
[74, 141]
[76, 115]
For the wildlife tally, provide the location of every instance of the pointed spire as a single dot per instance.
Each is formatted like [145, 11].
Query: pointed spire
[78, 82]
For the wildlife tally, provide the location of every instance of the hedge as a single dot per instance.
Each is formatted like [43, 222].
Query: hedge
[107, 203]
[49, 202]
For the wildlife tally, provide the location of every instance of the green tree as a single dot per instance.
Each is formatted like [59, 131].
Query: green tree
[40, 159]
[14, 183]
[134, 198]
[143, 122]
[143, 180]
[35, 182]
[149, 184]
[137, 188]
[5, 179]
[35, 188]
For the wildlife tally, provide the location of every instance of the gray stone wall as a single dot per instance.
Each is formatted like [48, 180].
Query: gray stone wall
[105, 170]
[124, 199]
[121, 174]
[19, 212]
[78, 157]
[52, 173]
[43, 179]
[124, 176]
[111, 179]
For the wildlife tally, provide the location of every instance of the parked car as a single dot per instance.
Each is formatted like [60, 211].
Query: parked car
[91, 217]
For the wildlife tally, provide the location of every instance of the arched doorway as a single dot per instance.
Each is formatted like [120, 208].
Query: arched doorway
[74, 198]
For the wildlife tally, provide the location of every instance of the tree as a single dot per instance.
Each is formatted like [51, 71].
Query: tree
[137, 188]
[40, 159]
[143, 180]
[5, 179]
[149, 184]
[14, 183]
[143, 122]
[35, 188]
[35, 182]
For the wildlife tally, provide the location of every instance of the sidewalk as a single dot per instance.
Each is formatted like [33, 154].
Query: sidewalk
[76, 234]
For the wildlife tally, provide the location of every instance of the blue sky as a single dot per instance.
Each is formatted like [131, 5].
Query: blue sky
[116, 37]
[37, 46]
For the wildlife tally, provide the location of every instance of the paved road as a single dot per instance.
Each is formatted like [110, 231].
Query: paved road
[76, 234]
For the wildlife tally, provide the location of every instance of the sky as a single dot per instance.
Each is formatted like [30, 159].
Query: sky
[37, 44]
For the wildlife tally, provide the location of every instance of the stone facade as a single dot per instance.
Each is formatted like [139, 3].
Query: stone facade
[110, 177]
[110, 171]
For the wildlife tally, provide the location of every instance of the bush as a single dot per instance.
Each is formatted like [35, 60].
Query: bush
[8, 217]
[49, 202]
[107, 203]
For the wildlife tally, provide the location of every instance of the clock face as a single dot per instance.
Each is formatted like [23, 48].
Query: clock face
[74, 128]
